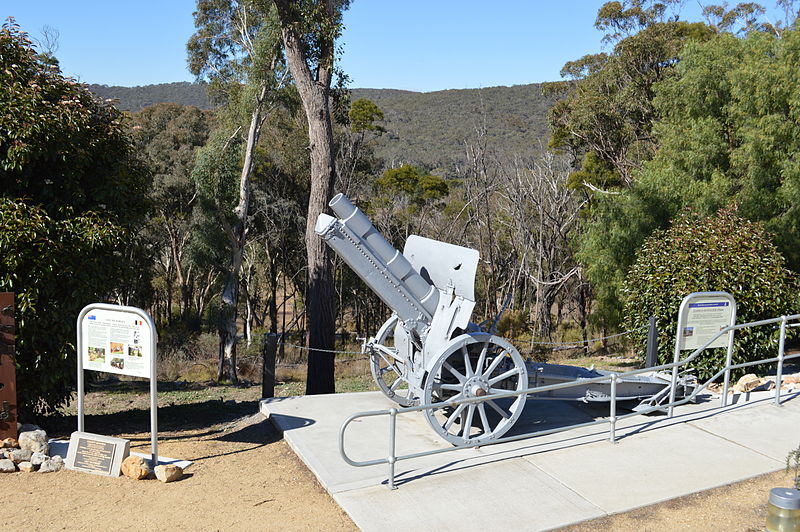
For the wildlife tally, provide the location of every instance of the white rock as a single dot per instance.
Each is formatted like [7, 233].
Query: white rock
[19, 455]
[168, 472]
[35, 441]
[38, 458]
[135, 467]
[7, 466]
[26, 467]
[51, 465]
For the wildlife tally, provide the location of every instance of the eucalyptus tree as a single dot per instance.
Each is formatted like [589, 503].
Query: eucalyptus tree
[167, 136]
[237, 48]
[310, 29]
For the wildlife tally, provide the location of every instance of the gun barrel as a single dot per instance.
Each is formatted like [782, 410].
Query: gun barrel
[385, 270]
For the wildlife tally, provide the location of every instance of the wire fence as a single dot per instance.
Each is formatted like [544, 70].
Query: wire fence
[557, 346]
[581, 343]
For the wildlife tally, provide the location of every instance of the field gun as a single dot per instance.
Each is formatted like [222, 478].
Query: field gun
[429, 352]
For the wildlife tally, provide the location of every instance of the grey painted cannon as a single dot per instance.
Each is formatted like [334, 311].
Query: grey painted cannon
[428, 351]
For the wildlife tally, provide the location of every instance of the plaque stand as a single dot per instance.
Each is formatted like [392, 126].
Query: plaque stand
[145, 317]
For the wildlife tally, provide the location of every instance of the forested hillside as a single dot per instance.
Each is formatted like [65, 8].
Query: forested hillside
[431, 129]
[427, 129]
[137, 98]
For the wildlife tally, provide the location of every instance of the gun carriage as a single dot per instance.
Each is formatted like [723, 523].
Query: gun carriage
[429, 352]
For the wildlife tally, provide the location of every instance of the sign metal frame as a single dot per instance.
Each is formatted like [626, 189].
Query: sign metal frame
[683, 313]
[145, 317]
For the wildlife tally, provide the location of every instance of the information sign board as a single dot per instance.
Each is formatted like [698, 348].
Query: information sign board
[123, 340]
[705, 316]
[116, 341]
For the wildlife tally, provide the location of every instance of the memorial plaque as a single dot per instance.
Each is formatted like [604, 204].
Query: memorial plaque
[94, 453]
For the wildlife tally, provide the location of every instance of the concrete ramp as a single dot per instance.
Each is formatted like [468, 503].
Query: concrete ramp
[538, 483]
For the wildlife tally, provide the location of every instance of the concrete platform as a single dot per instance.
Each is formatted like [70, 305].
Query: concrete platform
[538, 483]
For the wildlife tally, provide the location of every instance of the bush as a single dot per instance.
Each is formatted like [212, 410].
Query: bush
[72, 200]
[701, 254]
[55, 268]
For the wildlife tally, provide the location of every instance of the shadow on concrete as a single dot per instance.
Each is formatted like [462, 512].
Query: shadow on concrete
[563, 414]
[285, 422]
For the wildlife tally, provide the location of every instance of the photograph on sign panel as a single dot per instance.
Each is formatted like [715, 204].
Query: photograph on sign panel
[118, 363]
[135, 351]
[117, 348]
[97, 354]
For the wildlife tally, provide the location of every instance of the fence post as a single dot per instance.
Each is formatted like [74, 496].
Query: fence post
[268, 365]
[652, 344]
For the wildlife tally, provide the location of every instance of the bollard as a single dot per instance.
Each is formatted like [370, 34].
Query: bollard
[268, 365]
[652, 344]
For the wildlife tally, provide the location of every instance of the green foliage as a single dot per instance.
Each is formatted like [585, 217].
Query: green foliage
[363, 116]
[411, 182]
[55, 267]
[167, 136]
[216, 175]
[594, 171]
[719, 253]
[793, 466]
[609, 110]
[729, 134]
[72, 196]
[57, 144]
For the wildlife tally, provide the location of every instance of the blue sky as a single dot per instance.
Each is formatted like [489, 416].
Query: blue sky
[420, 45]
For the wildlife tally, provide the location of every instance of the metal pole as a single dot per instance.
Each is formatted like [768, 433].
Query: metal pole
[613, 416]
[675, 359]
[729, 356]
[779, 375]
[153, 383]
[82, 314]
[728, 359]
[268, 365]
[652, 344]
[392, 458]
[153, 398]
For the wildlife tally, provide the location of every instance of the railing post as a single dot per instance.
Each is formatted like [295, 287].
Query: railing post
[779, 374]
[727, 381]
[613, 413]
[392, 457]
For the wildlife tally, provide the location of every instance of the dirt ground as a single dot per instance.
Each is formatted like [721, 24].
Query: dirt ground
[245, 477]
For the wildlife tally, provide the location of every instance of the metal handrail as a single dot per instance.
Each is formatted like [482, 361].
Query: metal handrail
[612, 419]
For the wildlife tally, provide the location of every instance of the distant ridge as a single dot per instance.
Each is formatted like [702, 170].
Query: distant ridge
[429, 129]
[135, 99]
[433, 129]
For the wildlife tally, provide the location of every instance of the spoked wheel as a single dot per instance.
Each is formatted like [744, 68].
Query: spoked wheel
[388, 367]
[476, 365]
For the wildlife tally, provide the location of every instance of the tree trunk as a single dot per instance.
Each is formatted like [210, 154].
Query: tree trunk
[237, 235]
[314, 90]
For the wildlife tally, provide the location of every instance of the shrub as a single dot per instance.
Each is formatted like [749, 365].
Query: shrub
[701, 254]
